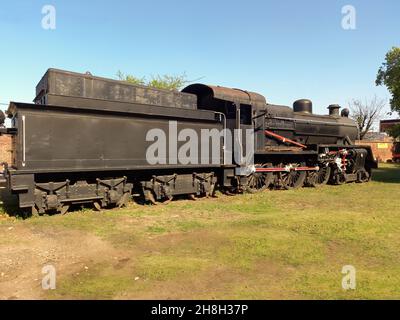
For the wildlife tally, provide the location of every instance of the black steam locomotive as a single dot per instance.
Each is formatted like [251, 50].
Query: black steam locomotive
[86, 140]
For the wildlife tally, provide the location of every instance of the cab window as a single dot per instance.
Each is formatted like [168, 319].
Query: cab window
[245, 114]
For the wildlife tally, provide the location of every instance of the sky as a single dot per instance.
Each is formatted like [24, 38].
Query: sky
[285, 50]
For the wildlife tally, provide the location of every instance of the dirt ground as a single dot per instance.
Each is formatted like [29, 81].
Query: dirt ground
[29, 250]
[270, 245]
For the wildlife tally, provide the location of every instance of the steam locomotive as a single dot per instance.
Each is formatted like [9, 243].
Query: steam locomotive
[85, 139]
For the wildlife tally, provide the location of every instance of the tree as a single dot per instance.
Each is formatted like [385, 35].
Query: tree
[389, 75]
[395, 132]
[168, 82]
[131, 79]
[365, 114]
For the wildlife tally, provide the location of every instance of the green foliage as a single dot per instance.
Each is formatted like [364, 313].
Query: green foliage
[395, 132]
[131, 79]
[389, 75]
[168, 82]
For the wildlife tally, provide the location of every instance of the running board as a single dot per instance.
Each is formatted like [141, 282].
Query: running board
[287, 169]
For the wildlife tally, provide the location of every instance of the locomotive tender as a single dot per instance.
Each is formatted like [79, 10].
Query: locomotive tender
[84, 140]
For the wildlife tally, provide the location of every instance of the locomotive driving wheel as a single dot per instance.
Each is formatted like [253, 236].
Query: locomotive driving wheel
[323, 175]
[292, 179]
[259, 181]
[320, 177]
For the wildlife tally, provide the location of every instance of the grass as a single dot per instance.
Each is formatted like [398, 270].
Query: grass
[271, 245]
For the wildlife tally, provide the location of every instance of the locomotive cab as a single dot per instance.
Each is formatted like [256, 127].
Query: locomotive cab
[239, 108]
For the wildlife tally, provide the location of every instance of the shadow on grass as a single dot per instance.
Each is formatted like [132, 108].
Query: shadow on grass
[387, 174]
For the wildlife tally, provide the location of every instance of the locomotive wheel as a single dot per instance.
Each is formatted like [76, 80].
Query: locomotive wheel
[149, 196]
[64, 209]
[339, 178]
[35, 211]
[230, 191]
[362, 176]
[259, 181]
[29, 212]
[192, 197]
[167, 199]
[321, 177]
[123, 202]
[97, 205]
[212, 191]
[293, 179]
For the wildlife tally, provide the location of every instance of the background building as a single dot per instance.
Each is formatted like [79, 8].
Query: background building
[385, 125]
[381, 143]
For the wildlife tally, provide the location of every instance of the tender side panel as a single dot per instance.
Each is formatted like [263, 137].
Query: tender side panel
[63, 140]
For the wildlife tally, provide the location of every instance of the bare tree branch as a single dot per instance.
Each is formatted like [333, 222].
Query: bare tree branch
[366, 114]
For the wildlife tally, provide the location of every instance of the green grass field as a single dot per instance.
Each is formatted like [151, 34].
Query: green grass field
[270, 245]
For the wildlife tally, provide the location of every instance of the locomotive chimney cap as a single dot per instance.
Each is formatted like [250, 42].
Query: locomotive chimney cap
[334, 109]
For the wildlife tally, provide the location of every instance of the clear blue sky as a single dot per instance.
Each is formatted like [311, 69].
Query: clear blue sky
[282, 49]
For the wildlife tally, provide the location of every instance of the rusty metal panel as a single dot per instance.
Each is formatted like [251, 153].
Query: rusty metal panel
[65, 85]
[92, 105]
[227, 94]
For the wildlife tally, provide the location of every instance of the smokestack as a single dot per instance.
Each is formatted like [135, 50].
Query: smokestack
[334, 110]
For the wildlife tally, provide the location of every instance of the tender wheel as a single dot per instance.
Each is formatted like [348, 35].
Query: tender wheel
[123, 202]
[212, 191]
[97, 205]
[259, 181]
[192, 197]
[29, 212]
[149, 196]
[64, 209]
[229, 191]
[293, 179]
[167, 199]
[35, 211]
